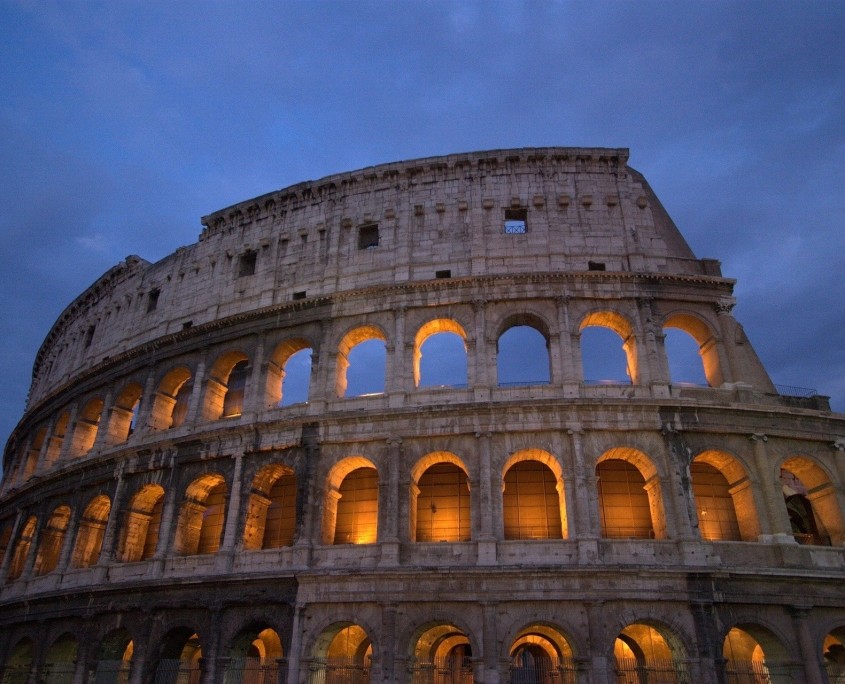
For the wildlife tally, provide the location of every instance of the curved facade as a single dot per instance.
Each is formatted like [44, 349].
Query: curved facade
[364, 430]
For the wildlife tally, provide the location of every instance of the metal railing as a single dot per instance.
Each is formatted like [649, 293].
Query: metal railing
[443, 671]
[562, 672]
[339, 671]
[111, 672]
[756, 672]
[15, 674]
[633, 671]
[792, 391]
[175, 671]
[58, 673]
[253, 671]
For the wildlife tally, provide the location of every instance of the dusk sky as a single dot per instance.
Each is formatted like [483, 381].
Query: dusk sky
[121, 123]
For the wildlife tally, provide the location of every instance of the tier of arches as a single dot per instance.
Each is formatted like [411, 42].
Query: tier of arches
[436, 651]
[365, 362]
[627, 497]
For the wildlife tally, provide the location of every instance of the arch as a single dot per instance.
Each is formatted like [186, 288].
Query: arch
[52, 540]
[114, 658]
[18, 664]
[533, 496]
[707, 341]
[202, 516]
[57, 439]
[683, 358]
[443, 650]
[375, 368]
[342, 653]
[87, 425]
[255, 657]
[92, 528]
[179, 657]
[33, 452]
[630, 499]
[289, 373]
[23, 546]
[171, 399]
[753, 653]
[124, 413]
[271, 510]
[522, 351]
[598, 356]
[810, 499]
[60, 660]
[648, 651]
[139, 537]
[448, 366]
[440, 499]
[541, 653]
[833, 655]
[724, 499]
[226, 385]
[356, 521]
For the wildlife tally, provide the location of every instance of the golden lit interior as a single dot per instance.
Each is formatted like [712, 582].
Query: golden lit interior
[89, 537]
[714, 504]
[443, 504]
[623, 501]
[357, 508]
[531, 503]
[52, 539]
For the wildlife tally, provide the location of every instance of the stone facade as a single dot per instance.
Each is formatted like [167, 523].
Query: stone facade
[174, 510]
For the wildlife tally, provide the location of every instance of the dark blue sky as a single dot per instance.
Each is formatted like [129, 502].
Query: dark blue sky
[121, 123]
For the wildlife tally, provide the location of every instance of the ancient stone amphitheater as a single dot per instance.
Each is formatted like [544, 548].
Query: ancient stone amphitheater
[354, 434]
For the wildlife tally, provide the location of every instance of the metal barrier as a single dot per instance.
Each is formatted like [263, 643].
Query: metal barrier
[111, 672]
[175, 671]
[253, 671]
[756, 672]
[339, 671]
[443, 671]
[58, 673]
[562, 672]
[15, 674]
[633, 671]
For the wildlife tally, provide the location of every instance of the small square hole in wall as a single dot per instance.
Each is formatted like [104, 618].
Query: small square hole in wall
[89, 336]
[152, 300]
[516, 221]
[246, 263]
[187, 324]
[299, 295]
[595, 266]
[447, 273]
[368, 236]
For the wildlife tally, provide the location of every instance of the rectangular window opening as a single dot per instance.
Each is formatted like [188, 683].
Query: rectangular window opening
[595, 266]
[368, 236]
[446, 273]
[516, 221]
[299, 295]
[152, 300]
[89, 336]
[246, 263]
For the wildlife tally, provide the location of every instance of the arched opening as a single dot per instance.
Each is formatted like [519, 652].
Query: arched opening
[139, 537]
[19, 663]
[440, 500]
[255, 657]
[714, 504]
[22, 548]
[92, 528]
[172, 399]
[57, 439]
[52, 539]
[522, 352]
[87, 424]
[361, 362]
[532, 499]
[271, 511]
[5, 536]
[603, 359]
[179, 660]
[60, 661]
[442, 654]
[289, 373]
[630, 505]
[342, 655]
[201, 519]
[833, 655]
[811, 503]
[707, 348]
[753, 654]
[737, 511]
[226, 385]
[350, 507]
[114, 658]
[540, 654]
[33, 452]
[124, 413]
[648, 653]
[440, 356]
[683, 355]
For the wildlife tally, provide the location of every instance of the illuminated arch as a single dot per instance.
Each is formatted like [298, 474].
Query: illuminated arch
[533, 496]
[139, 537]
[171, 399]
[87, 425]
[124, 413]
[356, 520]
[443, 648]
[33, 452]
[92, 529]
[203, 514]
[707, 341]
[754, 652]
[647, 651]
[833, 655]
[810, 499]
[619, 324]
[52, 540]
[630, 498]
[226, 386]
[254, 657]
[343, 652]
[541, 653]
[23, 545]
[60, 660]
[57, 439]
[271, 510]
[724, 498]
[277, 371]
[437, 326]
[179, 657]
[114, 658]
[350, 340]
[440, 499]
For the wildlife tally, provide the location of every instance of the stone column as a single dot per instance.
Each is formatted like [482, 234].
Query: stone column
[10, 549]
[586, 524]
[234, 521]
[599, 665]
[776, 518]
[809, 649]
[389, 647]
[294, 674]
[727, 351]
[571, 369]
[490, 643]
[104, 426]
[197, 393]
[113, 523]
[398, 375]
[167, 528]
[68, 542]
[145, 410]
[256, 383]
[388, 531]
[481, 361]
[41, 465]
[210, 647]
[652, 367]
[484, 504]
[67, 443]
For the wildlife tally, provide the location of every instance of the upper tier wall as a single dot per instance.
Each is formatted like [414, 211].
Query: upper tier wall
[582, 209]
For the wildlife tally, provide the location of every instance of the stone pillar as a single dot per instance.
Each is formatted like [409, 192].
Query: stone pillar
[482, 359]
[70, 536]
[810, 651]
[167, 528]
[70, 429]
[586, 524]
[776, 518]
[256, 383]
[731, 366]
[662, 522]
[210, 646]
[10, 549]
[234, 519]
[145, 410]
[41, 464]
[389, 647]
[389, 515]
[569, 348]
[599, 664]
[104, 426]
[652, 367]
[294, 654]
[113, 523]
[398, 374]
[197, 393]
[489, 639]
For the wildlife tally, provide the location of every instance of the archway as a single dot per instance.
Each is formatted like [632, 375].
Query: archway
[271, 511]
[724, 498]
[833, 656]
[604, 360]
[342, 655]
[706, 341]
[87, 425]
[19, 663]
[139, 538]
[541, 654]
[648, 653]
[114, 658]
[225, 387]
[532, 499]
[522, 352]
[440, 357]
[442, 654]
[203, 514]
[52, 540]
[171, 399]
[179, 658]
[124, 412]
[440, 500]
[89, 536]
[255, 657]
[630, 503]
[289, 373]
[23, 546]
[810, 500]
[753, 655]
[350, 506]
[361, 362]
[60, 661]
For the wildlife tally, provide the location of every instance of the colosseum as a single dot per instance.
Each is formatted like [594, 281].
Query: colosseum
[356, 433]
